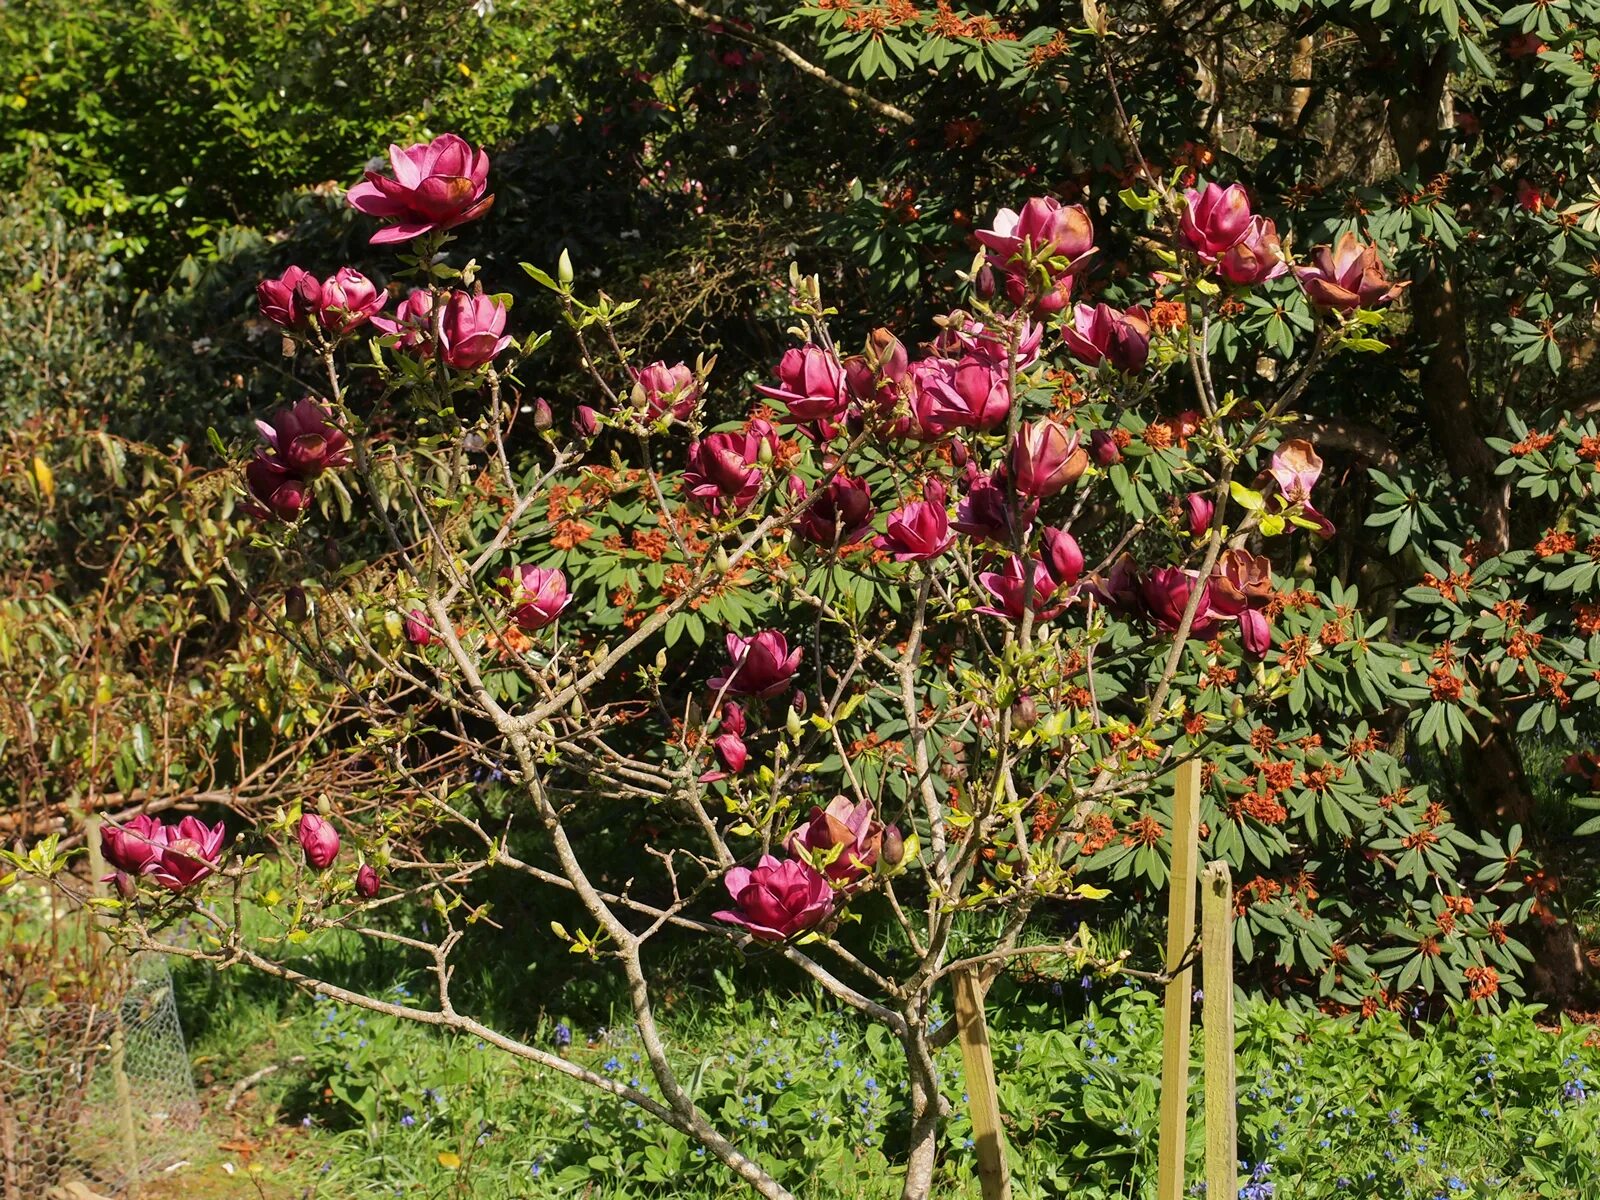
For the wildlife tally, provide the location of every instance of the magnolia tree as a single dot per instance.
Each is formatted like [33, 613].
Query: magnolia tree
[921, 639]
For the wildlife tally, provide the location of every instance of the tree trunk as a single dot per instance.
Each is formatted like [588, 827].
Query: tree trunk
[923, 1145]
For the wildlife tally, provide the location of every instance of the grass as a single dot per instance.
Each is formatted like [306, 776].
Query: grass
[1473, 1106]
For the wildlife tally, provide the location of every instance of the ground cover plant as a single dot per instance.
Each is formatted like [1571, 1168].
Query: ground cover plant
[1477, 1105]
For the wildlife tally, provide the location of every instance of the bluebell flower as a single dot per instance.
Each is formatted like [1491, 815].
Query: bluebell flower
[563, 1037]
[408, 1120]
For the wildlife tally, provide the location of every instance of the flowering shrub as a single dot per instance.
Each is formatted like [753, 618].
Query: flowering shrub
[916, 642]
[954, 725]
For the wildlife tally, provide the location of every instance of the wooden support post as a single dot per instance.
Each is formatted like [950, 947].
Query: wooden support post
[983, 1100]
[119, 1040]
[1216, 975]
[1180, 937]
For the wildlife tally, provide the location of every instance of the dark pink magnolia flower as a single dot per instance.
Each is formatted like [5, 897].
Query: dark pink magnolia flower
[471, 330]
[970, 394]
[290, 298]
[1213, 219]
[437, 185]
[1255, 632]
[1062, 556]
[726, 467]
[759, 666]
[840, 515]
[1256, 257]
[1198, 508]
[1296, 467]
[1010, 587]
[1348, 276]
[777, 900]
[1103, 334]
[366, 882]
[538, 595]
[732, 751]
[963, 335]
[1166, 594]
[880, 381]
[811, 383]
[731, 719]
[347, 299]
[280, 492]
[1045, 228]
[1121, 590]
[665, 389]
[985, 512]
[842, 841]
[1241, 588]
[305, 440]
[586, 421]
[926, 379]
[1045, 459]
[413, 321]
[134, 846]
[1103, 448]
[1241, 580]
[1051, 302]
[319, 839]
[916, 532]
[418, 629]
[190, 854]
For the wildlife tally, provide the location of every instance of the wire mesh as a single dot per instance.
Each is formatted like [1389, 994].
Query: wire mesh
[98, 1093]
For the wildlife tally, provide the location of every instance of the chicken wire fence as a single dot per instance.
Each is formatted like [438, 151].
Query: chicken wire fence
[98, 1094]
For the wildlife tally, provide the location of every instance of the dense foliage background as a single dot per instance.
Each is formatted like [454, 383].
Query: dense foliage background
[156, 160]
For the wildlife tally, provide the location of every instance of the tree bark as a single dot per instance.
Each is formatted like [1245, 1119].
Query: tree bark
[923, 1145]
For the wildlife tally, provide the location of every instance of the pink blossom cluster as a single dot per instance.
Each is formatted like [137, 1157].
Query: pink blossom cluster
[175, 856]
[831, 855]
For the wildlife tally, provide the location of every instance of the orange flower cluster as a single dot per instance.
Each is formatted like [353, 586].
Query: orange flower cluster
[1534, 442]
[1296, 656]
[1451, 586]
[1167, 315]
[1482, 982]
[980, 28]
[1146, 831]
[1556, 541]
[1096, 834]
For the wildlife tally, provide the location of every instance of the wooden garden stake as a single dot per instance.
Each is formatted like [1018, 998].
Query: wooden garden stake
[983, 1099]
[1216, 1018]
[1180, 936]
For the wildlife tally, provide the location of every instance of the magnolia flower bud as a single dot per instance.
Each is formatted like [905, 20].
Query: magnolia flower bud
[892, 850]
[543, 418]
[295, 605]
[564, 268]
[1024, 713]
[587, 422]
[793, 725]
